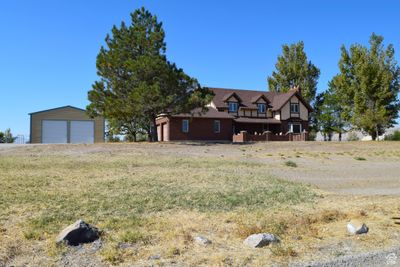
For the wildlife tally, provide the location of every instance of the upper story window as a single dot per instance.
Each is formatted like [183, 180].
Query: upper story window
[294, 108]
[185, 126]
[261, 108]
[232, 106]
[217, 126]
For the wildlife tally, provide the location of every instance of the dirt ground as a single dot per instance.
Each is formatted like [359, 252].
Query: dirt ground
[353, 180]
[329, 166]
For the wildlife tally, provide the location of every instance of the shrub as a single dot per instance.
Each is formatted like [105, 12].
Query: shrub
[360, 158]
[352, 136]
[393, 137]
[7, 137]
[290, 163]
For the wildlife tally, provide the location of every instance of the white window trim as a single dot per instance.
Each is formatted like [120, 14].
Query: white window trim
[291, 127]
[264, 108]
[295, 105]
[233, 104]
[217, 122]
[185, 129]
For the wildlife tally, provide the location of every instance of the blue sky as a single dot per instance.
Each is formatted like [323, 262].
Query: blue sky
[48, 48]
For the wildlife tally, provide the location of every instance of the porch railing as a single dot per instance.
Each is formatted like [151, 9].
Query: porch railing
[243, 137]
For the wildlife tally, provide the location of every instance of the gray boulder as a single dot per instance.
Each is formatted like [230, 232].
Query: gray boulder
[78, 233]
[357, 228]
[202, 240]
[260, 240]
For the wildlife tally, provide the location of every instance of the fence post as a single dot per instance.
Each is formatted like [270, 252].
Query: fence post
[244, 135]
[268, 135]
[290, 135]
[304, 136]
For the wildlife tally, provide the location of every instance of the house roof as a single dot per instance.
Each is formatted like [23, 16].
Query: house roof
[249, 97]
[247, 100]
[46, 110]
[210, 113]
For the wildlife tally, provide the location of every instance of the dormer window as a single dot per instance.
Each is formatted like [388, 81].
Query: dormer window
[261, 108]
[232, 106]
[294, 107]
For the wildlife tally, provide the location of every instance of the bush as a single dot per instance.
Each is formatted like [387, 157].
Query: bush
[7, 137]
[360, 158]
[393, 137]
[352, 136]
[312, 135]
[290, 163]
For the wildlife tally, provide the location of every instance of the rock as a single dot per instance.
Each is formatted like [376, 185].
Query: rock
[155, 257]
[357, 228]
[260, 240]
[78, 233]
[202, 240]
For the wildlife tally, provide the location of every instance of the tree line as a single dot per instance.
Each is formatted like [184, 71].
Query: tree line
[137, 83]
[7, 136]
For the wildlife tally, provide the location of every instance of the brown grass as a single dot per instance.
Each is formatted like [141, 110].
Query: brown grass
[158, 203]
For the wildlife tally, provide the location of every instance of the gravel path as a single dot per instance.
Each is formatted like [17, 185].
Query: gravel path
[389, 257]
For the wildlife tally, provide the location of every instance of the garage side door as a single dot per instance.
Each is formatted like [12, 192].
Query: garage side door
[54, 132]
[82, 132]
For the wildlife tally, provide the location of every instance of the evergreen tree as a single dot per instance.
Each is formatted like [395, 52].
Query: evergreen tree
[367, 86]
[7, 136]
[328, 114]
[294, 69]
[137, 82]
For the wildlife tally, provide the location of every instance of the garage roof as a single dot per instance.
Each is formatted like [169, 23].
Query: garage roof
[57, 108]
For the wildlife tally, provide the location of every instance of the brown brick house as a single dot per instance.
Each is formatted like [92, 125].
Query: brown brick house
[233, 113]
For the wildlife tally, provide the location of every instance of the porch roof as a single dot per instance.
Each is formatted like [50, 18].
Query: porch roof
[258, 120]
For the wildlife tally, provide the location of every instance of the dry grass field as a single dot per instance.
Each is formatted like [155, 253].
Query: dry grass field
[151, 200]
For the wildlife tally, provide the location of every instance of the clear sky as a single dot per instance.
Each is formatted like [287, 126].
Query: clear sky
[48, 48]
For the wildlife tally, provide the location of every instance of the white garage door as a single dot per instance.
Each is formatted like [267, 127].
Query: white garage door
[82, 132]
[54, 132]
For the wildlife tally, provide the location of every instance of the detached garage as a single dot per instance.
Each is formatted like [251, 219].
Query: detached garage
[66, 125]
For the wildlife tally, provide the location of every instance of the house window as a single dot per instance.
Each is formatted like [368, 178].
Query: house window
[294, 108]
[185, 126]
[295, 127]
[261, 108]
[233, 106]
[217, 126]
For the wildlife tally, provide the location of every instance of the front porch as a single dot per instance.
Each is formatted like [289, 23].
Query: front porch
[257, 126]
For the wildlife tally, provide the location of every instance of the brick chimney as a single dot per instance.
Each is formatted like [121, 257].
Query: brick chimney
[296, 88]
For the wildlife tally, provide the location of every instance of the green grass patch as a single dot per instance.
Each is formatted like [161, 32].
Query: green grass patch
[360, 158]
[291, 163]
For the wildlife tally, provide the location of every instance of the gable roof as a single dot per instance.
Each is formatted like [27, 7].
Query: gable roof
[281, 99]
[249, 97]
[46, 110]
[229, 95]
[254, 99]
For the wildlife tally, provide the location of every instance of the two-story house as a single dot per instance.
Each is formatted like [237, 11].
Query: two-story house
[233, 111]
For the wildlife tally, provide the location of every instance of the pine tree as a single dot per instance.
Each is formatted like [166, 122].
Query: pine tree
[137, 82]
[294, 69]
[367, 86]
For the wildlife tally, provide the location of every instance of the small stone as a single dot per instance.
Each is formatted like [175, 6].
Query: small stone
[78, 233]
[357, 228]
[260, 240]
[154, 257]
[202, 240]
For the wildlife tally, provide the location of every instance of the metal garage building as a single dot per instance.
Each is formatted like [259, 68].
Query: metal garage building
[65, 125]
